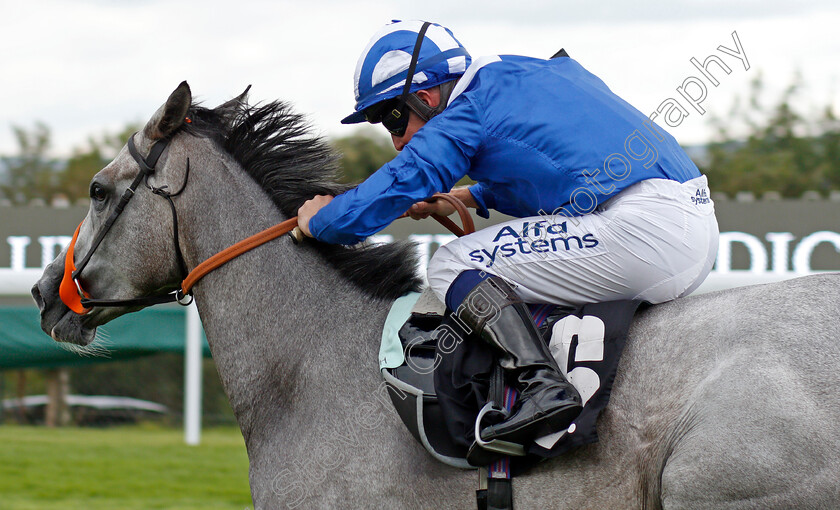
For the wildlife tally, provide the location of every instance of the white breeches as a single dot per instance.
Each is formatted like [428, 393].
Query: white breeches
[656, 240]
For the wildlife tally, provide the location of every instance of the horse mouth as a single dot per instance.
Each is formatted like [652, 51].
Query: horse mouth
[58, 321]
[73, 328]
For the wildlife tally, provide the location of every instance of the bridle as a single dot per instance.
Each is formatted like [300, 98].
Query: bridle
[78, 300]
[71, 291]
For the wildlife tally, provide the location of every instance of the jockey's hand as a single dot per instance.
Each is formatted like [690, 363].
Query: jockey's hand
[426, 208]
[309, 209]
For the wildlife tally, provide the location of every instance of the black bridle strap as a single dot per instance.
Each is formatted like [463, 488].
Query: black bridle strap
[156, 299]
[168, 196]
[147, 166]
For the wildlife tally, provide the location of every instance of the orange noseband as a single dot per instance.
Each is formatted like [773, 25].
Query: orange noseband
[71, 291]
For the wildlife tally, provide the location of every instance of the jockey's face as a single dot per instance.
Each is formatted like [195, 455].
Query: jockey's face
[432, 98]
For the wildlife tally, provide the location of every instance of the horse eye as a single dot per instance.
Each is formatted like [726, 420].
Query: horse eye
[98, 192]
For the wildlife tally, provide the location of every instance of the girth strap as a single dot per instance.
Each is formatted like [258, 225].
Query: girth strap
[497, 496]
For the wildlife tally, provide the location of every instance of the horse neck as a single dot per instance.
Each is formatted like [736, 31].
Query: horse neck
[271, 314]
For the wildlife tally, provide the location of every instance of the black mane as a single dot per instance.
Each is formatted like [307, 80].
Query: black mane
[276, 148]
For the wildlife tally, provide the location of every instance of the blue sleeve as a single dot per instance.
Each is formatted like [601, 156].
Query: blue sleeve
[483, 198]
[437, 156]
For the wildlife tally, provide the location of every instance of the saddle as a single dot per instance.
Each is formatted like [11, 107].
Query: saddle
[406, 358]
[443, 389]
[586, 342]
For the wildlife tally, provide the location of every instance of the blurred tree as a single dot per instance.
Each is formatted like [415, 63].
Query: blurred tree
[30, 174]
[363, 153]
[111, 143]
[829, 147]
[783, 151]
[33, 174]
[74, 179]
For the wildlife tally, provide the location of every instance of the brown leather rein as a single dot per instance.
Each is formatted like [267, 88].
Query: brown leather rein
[76, 298]
[290, 227]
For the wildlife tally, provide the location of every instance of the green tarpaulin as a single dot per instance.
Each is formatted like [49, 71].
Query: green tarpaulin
[24, 345]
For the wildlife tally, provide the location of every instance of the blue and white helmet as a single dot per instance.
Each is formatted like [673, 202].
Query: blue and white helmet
[383, 66]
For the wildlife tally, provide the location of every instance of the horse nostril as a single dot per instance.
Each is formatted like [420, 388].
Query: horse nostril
[36, 295]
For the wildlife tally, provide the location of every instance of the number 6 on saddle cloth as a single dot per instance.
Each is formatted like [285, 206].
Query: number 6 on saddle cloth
[438, 378]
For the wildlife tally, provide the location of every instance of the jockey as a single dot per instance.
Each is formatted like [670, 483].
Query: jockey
[609, 206]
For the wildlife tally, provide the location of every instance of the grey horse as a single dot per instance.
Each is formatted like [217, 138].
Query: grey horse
[722, 401]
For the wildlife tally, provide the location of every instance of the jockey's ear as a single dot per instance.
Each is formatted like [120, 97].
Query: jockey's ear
[171, 115]
[231, 109]
[430, 96]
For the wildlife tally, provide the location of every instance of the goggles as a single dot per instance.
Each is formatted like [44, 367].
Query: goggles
[393, 114]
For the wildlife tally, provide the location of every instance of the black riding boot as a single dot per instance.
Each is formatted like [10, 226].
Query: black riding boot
[547, 401]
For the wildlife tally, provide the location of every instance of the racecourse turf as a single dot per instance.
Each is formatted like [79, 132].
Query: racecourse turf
[126, 468]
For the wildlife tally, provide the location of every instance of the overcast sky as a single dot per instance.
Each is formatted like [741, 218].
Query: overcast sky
[87, 67]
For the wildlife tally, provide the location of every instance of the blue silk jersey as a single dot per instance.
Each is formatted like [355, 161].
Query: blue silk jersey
[538, 136]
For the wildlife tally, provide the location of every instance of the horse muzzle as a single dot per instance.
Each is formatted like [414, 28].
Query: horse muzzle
[57, 320]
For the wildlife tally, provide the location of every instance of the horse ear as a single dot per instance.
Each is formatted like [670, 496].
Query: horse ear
[171, 115]
[232, 108]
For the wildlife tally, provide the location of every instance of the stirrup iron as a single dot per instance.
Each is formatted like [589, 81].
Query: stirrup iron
[496, 445]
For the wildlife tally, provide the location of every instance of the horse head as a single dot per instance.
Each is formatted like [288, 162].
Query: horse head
[126, 254]
[130, 252]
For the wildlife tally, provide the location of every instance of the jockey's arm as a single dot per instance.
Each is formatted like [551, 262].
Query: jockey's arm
[438, 156]
[417, 211]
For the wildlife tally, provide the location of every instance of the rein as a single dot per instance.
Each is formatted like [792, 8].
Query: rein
[290, 227]
[466, 219]
[78, 300]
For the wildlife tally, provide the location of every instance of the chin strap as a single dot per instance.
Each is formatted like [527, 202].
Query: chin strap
[425, 111]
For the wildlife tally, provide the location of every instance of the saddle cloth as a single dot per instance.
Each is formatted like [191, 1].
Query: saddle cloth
[586, 342]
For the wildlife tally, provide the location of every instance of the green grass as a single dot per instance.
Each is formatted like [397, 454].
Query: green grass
[122, 468]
